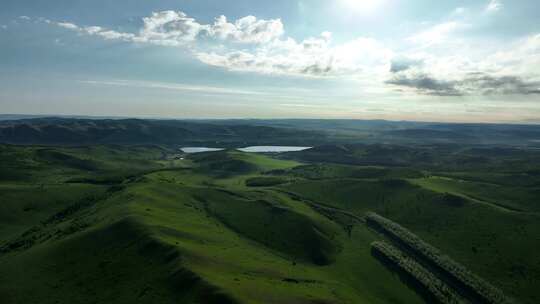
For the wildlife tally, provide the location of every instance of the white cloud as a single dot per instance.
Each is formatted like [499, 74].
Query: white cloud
[24, 17]
[494, 6]
[521, 57]
[113, 35]
[508, 69]
[171, 86]
[436, 58]
[269, 52]
[67, 25]
[442, 60]
[437, 34]
[247, 29]
[92, 30]
[4, 27]
[314, 57]
[171, 28]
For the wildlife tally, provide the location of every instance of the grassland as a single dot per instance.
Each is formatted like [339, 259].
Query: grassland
[81, 224]
[196, 232]
[518, 199]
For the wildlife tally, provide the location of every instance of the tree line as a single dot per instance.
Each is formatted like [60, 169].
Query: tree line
[481, 290]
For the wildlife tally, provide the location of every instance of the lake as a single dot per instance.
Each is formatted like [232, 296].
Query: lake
[191, 150]
[252, 149]
[272, 149]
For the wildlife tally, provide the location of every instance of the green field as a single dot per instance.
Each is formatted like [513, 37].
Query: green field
[119, 224]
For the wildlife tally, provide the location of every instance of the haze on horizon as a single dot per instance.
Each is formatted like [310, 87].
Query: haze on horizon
[467, 61]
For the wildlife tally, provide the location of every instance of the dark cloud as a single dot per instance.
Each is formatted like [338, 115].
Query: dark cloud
[403, 64]
[502, 85]
[425, 84]
[471, 84]
[317, 69]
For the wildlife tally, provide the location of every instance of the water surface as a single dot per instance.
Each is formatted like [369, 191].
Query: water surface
[192, 150]
[252, 149]
[273, 149]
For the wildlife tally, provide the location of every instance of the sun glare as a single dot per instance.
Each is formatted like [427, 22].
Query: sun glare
[362, 6]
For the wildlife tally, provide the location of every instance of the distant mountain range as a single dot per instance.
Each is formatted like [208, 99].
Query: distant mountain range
[21, 129]
[27, 116]
[73, 131]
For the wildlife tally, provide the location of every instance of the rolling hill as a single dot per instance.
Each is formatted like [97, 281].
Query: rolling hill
[142, 223]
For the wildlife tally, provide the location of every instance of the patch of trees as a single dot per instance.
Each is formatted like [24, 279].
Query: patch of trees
[265, 181]
[453, 200]
[460, 276]
[395, 183]
[427, 280]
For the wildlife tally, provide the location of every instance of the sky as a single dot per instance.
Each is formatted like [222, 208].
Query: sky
[422, 60]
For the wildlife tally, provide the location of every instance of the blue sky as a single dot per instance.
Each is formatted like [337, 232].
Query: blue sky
[474, 61]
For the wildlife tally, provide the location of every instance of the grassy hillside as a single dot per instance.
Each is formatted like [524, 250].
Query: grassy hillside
[197, 236]
[497, 243]
[83, 223]
[519, 199]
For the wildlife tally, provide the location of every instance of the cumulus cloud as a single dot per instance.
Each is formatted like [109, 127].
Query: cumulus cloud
[172, 28]
[433, 61]
[247, 29]
[494, 6]
[314, 57]
[268, 51]
[470, 69]
[169, 28]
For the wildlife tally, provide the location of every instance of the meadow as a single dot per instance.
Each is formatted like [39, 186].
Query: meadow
[82, 223]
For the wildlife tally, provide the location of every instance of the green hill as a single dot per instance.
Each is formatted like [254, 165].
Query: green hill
[177, 235]
[119, 224]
